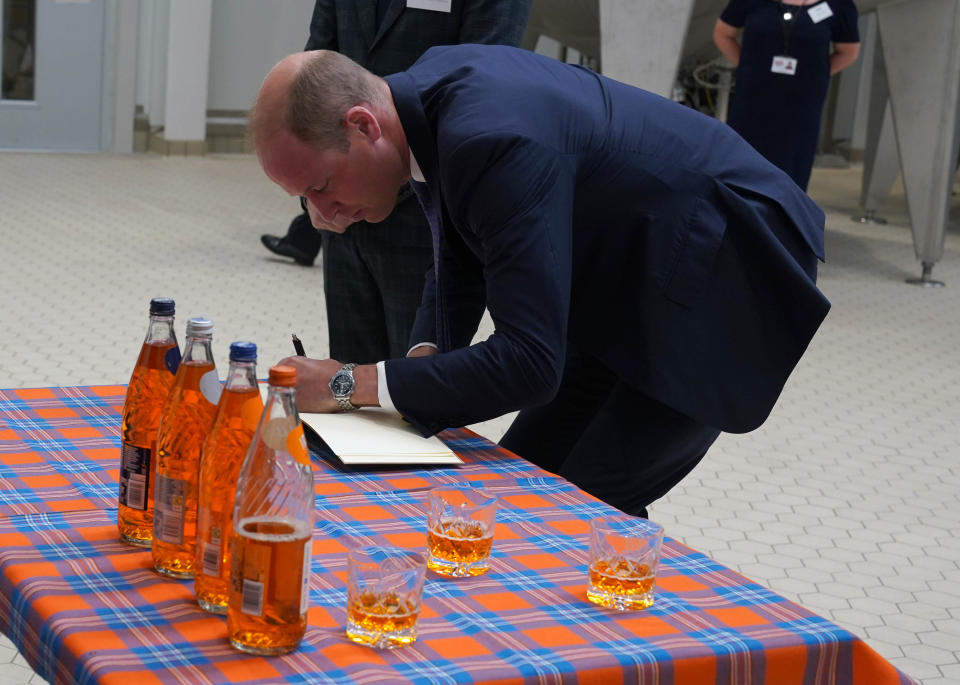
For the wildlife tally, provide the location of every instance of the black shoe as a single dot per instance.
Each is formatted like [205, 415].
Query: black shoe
[281, 247]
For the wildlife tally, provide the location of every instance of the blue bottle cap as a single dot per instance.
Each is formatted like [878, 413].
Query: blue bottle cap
[161, 306]
[243, 351]
[199, 326]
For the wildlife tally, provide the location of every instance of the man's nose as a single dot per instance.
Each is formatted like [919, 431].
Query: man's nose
[328, 210]
[324, 209]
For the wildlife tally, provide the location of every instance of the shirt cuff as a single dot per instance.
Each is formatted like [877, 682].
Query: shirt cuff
[423, 344]
[383, 393]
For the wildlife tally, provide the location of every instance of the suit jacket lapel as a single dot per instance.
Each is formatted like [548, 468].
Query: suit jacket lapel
[367, 20]
[393, 11]
[422, 143]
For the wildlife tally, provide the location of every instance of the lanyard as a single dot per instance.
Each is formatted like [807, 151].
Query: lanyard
[788, 25]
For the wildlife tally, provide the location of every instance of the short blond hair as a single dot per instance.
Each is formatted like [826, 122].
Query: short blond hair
[324, 87]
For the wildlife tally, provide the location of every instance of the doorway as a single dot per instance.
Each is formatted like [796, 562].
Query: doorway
[51, 95]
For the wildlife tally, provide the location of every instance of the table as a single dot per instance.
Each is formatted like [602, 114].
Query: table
[84, 608]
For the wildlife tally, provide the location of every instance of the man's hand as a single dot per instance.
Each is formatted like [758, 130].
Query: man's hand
[313, 383]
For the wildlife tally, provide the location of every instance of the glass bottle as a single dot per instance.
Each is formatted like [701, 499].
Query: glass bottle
[271, 545]
[187, 415]
[223, 451]
[149, 386]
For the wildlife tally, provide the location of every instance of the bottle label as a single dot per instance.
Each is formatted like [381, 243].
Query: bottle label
[170, 505]
[211, 559]
[252, 599]
[210, 386]
[209, 540]
[255, 572]
[285, 434]
[172, 359]
[305, 588]
[134, 476]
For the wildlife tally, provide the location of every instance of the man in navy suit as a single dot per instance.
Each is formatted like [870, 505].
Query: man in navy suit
[651, 278]
[373, 274]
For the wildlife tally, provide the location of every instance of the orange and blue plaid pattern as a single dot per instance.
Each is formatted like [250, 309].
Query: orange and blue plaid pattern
[85, 608]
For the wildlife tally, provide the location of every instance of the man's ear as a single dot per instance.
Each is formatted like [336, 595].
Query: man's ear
[361, 119]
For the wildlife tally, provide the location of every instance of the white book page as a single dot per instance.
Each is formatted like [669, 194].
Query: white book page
[375, 436]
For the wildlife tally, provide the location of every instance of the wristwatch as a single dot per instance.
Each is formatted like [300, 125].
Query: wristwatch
[342, 385]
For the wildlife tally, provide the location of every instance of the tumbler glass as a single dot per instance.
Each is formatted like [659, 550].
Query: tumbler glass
[384, 592]
[623, 563]
[460, 523]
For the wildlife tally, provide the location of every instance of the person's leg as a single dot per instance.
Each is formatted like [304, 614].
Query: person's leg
[609, 439]
[354, 309]
[398, 251]
[301, 243]
[635, 450]
[303, 235]
[546, 435]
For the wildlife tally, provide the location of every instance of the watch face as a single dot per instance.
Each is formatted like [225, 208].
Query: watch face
[341, 384]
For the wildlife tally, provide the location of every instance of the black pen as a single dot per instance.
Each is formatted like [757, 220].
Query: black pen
[297, 345]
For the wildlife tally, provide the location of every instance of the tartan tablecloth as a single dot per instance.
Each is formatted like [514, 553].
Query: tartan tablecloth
[85, 608]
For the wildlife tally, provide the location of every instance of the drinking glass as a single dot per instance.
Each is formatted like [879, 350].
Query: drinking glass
[460, 523]
[384, 593]
[623, 563]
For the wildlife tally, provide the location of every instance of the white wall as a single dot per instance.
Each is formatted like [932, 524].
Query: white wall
[188, 47]
[248, 37]
[152, 58]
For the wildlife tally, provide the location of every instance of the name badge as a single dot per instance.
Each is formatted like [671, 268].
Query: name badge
[820, 12]
[784, 65]
[433, 5]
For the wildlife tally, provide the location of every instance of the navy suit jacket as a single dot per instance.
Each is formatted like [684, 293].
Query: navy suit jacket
[580, 209]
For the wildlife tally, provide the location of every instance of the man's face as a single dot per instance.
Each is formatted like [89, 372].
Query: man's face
[341, 187]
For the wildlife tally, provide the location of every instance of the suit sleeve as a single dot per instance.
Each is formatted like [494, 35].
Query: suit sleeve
[735, 13]
[494, 21]
[516, 199]
[323, 27]
[844, 27]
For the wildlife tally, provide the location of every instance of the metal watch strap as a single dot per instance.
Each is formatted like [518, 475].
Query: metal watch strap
[344, 403]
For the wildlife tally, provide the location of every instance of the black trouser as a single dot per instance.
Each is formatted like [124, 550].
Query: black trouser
[303, 235]
[608, 438]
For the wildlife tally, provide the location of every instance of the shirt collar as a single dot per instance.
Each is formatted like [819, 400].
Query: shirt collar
[415, 172]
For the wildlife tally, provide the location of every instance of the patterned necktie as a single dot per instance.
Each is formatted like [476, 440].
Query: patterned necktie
[431, 210]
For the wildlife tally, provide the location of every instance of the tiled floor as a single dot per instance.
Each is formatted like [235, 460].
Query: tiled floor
[847, 499]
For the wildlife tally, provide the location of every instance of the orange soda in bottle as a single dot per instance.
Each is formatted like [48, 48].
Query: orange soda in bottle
[271, 544]
[223, 451]
[149, 386]
[187, 415]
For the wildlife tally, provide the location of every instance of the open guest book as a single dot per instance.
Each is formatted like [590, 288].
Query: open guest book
[372, 437]
[375, 437]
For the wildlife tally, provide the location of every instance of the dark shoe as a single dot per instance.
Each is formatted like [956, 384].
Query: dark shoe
[284, 249]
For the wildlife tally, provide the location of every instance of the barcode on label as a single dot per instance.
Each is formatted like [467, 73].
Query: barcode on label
[171, 527]
[168, 523]
[136, 491]
[252, 600]
[211, 559]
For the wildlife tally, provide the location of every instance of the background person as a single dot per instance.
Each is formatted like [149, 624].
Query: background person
[373, 274]
[651, 278]
[777, 107]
